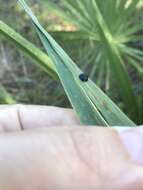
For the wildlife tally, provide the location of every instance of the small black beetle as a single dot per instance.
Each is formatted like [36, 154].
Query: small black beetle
[83, 77]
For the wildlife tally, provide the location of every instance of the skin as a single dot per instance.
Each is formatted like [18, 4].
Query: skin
[45, 148]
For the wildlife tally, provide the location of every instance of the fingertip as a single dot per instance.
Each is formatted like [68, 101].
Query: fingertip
[132, 138]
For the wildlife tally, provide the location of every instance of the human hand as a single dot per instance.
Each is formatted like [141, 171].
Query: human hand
[45, 148]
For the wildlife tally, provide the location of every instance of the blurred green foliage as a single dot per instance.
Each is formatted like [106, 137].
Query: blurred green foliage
[18, 75]
[28, 84]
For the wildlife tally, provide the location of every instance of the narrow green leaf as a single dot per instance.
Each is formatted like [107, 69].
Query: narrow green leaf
[72, 35]
[41, 58]
[90, 103]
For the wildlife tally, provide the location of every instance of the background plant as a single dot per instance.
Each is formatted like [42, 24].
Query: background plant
[108, 40]
[18, 75]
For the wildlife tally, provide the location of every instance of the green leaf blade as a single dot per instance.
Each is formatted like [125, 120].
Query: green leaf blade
[86, 98]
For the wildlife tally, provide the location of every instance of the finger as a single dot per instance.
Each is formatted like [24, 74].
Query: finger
[17, 117]
[67, 158]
